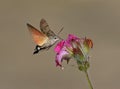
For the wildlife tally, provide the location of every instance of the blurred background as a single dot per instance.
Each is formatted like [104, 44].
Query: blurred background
[95, 19]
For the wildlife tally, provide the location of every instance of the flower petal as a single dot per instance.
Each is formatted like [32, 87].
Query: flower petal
[62, 55]
[59, 46]
[72, 37]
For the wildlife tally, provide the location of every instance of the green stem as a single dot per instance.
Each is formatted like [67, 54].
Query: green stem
[89, 82]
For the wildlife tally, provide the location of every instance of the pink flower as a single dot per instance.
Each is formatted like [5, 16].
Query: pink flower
[73, 43]
[63, 55]
[71, 47]
[73, 37]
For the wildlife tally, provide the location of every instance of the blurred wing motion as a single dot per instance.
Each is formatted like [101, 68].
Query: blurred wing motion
[45, 28]
[38, 37]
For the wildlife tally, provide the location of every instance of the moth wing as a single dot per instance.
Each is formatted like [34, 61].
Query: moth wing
[38, 37]
[45, 28]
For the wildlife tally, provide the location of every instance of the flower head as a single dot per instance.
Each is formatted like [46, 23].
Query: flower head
[73, 47]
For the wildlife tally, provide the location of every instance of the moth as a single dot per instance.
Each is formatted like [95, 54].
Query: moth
[45, 38]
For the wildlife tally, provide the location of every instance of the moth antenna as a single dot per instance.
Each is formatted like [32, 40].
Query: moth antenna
[60, 30]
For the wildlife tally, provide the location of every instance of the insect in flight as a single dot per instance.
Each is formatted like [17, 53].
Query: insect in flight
[45, 38]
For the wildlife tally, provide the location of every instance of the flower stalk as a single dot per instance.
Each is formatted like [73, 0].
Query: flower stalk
[88, 79]
[83, 66]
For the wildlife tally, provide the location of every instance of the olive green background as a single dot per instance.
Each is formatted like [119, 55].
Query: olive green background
[95, 19]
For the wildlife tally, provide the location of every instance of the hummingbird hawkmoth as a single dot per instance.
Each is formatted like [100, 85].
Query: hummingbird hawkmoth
[45, 38]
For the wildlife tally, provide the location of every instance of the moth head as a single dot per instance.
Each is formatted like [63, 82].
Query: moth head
[56, 38]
